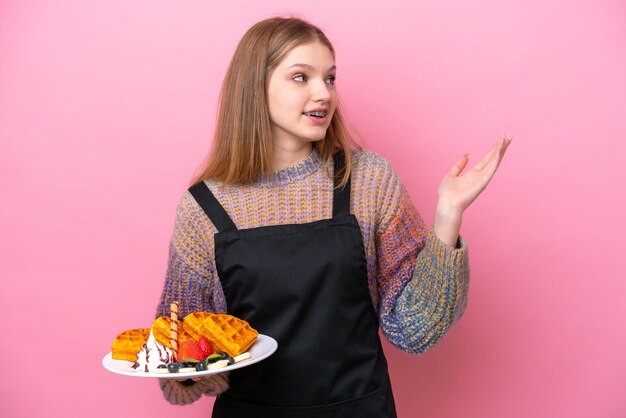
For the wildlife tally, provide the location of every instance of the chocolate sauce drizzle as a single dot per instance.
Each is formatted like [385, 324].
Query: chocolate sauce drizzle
[164, 356]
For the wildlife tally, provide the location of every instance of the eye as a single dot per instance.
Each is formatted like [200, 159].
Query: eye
[331, 80]
[301, 78]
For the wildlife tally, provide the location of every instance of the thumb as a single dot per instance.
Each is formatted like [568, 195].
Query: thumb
[459, 166]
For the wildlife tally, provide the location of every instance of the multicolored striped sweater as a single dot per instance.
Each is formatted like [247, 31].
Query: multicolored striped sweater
[417, 283]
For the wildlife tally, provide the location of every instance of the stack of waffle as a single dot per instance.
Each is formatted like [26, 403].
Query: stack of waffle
[225, 333]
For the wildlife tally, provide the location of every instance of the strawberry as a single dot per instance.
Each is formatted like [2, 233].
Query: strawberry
[190, 349]
[205, 346]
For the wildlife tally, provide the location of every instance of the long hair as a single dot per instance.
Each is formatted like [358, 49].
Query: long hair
[242, 145]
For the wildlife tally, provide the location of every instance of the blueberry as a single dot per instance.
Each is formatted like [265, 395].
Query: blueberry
[230, 360]
[173, 367]
[201, 366]
[161, 366]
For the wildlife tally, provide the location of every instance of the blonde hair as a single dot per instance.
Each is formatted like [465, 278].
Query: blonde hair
[242, 144]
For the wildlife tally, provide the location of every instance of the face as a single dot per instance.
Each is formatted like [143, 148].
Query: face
[301, 95]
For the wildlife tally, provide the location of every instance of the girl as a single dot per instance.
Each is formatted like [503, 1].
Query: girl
[312, 241]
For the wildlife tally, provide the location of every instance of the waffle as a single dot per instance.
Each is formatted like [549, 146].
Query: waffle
[225, 332]
[161, 331]
[127, 344]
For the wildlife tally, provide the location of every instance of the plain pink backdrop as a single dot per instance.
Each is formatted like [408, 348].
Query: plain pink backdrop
[107, 109]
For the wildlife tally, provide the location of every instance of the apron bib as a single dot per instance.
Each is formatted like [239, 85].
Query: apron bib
[306, 286]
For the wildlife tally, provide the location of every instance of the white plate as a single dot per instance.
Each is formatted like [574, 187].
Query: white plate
[262, 348]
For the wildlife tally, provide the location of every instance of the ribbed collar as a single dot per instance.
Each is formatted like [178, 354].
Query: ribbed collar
[292, 173]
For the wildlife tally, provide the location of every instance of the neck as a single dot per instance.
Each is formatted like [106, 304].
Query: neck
[286, 155]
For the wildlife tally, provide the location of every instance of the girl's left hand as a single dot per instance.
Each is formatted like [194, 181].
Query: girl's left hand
[457, 192]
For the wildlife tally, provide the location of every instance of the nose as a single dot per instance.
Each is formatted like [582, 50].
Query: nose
[321, 91]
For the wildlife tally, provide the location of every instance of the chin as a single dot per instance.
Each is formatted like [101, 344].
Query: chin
[315, 137]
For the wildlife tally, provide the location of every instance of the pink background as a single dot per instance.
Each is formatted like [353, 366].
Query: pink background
[107, 108]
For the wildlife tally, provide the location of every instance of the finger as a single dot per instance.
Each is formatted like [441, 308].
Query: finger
[495, 154]
[487, 158]
[502, 146]
[507, 142]
[459, 166]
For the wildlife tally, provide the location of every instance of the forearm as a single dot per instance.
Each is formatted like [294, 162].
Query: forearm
[448, 224]
[432, 301]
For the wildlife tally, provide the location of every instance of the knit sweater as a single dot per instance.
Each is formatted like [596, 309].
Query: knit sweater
[418, 284]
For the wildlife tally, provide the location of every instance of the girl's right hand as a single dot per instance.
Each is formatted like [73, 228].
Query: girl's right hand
[184, 392]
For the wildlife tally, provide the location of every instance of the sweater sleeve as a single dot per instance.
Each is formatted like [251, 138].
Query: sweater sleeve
[191, 277]
[422, 282]
[191, 280]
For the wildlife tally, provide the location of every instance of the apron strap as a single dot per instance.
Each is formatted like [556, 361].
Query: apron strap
[341, 196]
[212, 207]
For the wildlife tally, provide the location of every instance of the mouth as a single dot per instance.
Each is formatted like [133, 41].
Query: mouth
[316, 114]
